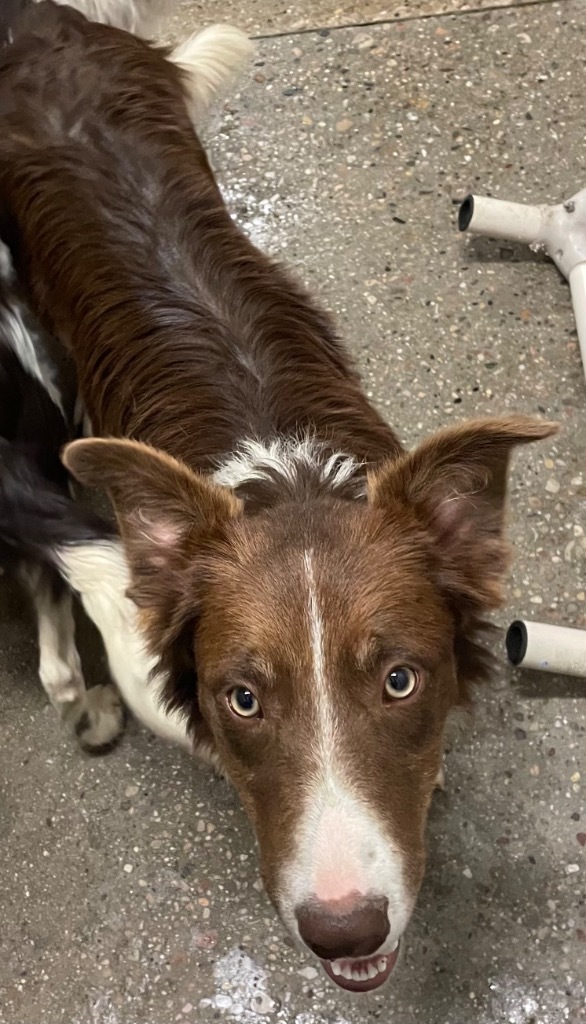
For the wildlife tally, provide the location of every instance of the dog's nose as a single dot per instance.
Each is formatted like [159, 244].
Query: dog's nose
[344, 928]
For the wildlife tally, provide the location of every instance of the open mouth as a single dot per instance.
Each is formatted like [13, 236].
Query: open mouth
[363, 975]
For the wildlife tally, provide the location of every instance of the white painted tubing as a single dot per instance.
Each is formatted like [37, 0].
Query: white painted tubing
[578, 290]
[547, 648]
[558, 230]
[498, 218]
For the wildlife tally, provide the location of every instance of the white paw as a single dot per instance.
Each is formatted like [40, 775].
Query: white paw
[62, 682]
[99, 719]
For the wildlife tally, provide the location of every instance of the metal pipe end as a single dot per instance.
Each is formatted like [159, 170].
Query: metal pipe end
[516, 642]
[466, 213]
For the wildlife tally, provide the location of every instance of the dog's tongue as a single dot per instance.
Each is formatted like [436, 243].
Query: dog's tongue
[361, 975]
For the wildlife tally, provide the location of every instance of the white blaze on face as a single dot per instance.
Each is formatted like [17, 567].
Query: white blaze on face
[342, 850]
[326, 719]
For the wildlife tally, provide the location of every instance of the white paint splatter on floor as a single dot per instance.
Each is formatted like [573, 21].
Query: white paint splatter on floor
[100, 1011]
[242, 994]
[514, 1003]
[267, 222]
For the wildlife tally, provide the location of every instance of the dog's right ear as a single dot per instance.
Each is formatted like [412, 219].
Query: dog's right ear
[165, 511]
[455, 486]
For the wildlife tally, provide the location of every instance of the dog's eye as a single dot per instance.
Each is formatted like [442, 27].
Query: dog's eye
[243, 703]
[401, 682]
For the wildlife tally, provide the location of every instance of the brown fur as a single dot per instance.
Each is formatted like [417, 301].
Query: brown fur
[111, 189]
[186, 337]
[403, 575]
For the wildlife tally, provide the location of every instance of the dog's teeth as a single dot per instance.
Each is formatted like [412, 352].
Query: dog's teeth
[395, 946]
[364, 970]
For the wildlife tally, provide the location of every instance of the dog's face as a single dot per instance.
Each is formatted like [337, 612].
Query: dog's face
[326, 671]
[330, 638]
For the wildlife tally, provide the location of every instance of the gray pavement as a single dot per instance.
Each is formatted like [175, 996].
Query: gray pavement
[129, 889]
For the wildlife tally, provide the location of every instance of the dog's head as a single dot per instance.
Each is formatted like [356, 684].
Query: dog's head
[332, 636]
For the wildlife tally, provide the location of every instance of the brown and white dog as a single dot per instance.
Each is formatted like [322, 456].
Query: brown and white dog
[310, 594]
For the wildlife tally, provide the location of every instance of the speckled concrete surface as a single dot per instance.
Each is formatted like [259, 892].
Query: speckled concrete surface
[269, 17]
[128, 885]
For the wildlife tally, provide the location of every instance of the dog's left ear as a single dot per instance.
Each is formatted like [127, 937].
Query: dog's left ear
[165, 511]
[455, 485]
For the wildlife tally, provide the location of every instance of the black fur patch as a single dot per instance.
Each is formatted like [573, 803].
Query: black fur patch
[36, 512]
[10, 13]
[36, 516]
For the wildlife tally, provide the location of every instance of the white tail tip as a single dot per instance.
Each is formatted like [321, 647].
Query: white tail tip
[211, 59]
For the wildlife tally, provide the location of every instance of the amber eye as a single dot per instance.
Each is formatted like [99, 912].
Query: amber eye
[243, 703]
[401, 682]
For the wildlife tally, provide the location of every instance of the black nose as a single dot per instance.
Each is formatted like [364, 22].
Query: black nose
[334, 931]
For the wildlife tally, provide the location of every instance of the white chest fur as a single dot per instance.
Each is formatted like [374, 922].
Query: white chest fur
[99, 573]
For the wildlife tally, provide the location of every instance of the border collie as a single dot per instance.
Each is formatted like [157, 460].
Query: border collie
[307, 597]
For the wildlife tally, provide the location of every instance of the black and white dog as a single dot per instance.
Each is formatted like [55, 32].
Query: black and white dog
[61, 551]
[57, 548]
[38, 515]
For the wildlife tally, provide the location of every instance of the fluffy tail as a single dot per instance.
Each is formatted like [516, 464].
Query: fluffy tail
[211, 59]
[37, 519]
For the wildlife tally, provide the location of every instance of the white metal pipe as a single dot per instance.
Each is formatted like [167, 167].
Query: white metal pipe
[560, 231]
[501, 219]
[547, 648]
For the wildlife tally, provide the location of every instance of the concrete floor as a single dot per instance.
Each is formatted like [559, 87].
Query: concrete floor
[129, 889]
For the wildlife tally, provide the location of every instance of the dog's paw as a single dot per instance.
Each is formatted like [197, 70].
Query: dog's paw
[99, 720]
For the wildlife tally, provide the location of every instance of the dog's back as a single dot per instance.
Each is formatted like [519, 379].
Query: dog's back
[103, 178]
